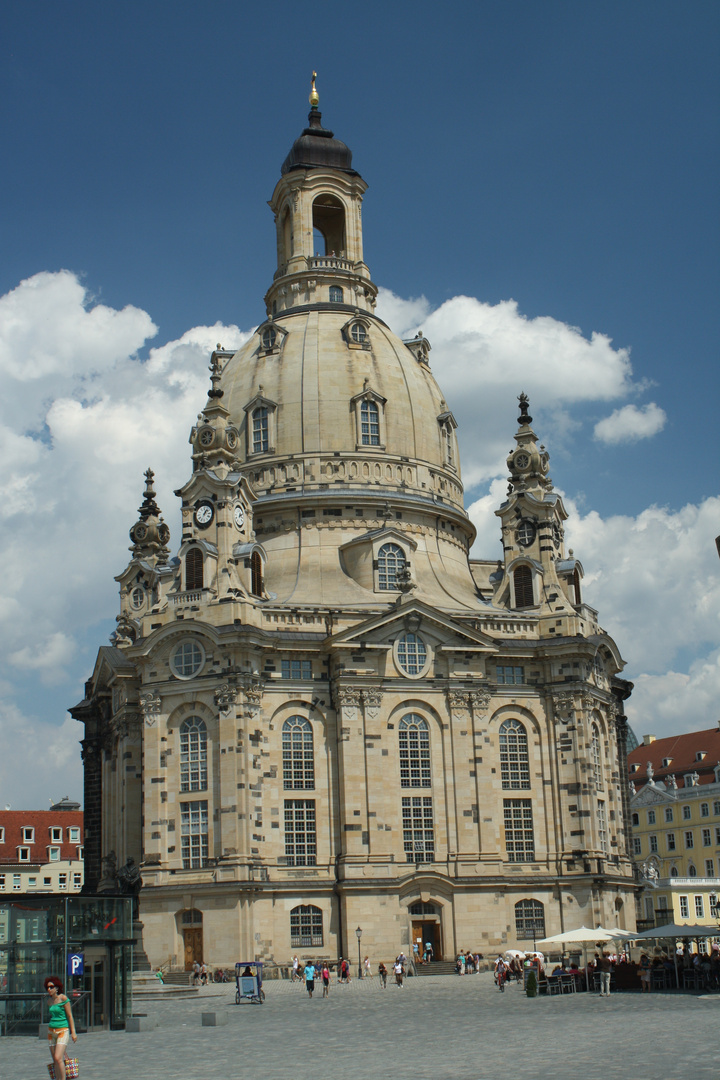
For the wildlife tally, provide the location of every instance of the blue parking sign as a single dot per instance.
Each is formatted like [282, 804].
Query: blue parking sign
[75, 963]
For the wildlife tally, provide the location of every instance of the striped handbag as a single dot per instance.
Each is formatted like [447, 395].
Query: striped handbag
[72, 1069]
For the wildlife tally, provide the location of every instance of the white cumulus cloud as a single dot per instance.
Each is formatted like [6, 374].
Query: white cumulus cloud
[483, 355]
[631, 423]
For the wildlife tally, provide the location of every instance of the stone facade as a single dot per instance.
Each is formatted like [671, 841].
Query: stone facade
[320, 713]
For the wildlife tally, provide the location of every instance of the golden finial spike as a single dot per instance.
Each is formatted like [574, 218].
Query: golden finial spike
[314, 96]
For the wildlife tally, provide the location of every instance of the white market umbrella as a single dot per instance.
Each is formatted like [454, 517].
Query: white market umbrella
[584, 935]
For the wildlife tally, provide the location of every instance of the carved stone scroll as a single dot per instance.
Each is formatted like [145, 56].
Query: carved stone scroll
[150, 707]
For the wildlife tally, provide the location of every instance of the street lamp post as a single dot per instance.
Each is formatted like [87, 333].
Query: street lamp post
[358, 935]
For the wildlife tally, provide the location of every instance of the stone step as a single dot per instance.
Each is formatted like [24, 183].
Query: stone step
[437, 967]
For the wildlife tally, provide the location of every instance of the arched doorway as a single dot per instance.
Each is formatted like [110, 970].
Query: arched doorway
[426, 929]
[192, 930]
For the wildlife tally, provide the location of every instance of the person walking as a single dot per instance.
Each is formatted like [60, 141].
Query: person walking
[325, 976]
[296, 969]
[196, 972]
[399, 971]
[61, 1025]
[382, 972]
[310, 978]
[367, 970]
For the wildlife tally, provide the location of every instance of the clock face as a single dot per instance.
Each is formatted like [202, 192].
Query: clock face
[207, 436]
[525, 533]
[239, 516]
[204, 514]
[521, 461]
[139, 532]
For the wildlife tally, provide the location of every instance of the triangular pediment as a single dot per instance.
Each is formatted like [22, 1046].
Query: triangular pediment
[651, 795]
[381, 534]
[416, 617]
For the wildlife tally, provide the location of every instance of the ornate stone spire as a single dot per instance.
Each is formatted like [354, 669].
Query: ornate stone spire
[150, 535]
[215, 440]
[528, 465]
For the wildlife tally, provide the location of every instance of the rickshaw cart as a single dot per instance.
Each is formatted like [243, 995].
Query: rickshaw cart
[248, 982]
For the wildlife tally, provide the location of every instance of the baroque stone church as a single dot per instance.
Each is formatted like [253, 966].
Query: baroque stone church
[321, 714]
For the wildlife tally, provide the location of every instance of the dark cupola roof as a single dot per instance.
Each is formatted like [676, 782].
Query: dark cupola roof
[317, 148]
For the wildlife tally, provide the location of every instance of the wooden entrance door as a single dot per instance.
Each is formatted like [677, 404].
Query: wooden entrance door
[193, 937]
[424, 932]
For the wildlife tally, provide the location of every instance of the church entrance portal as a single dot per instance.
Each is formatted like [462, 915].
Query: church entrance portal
[192, 937]
[426, 929]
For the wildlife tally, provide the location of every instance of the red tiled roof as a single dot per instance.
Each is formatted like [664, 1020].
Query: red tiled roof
[683, 751]
[14, 821]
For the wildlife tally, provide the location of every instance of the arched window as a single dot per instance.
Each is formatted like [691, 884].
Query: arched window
[269, 337]
[576, 587]
[256, 574]
[194, 569]
[423, 909]
[358, 333]
[306, 926]
[529, 920]
[370, 423]
[522, 576]
[411, 654]
[673, 871]
[192, 917]
[692, 872]
[328, 217]
[449, 459]
[298, 756]
[260, 442]
[336, 294]
[596, 757]
[514, 761]
[391, 558]
[414, 740]
[193, 754]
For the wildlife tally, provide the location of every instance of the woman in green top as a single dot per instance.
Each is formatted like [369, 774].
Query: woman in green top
[61, 1025]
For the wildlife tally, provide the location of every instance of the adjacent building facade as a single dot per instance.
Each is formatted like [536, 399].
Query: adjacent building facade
[675, 814]
[41, 851]
[321, 714]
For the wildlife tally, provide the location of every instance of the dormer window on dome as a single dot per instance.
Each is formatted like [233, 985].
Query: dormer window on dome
[356, 333]
[272, 337]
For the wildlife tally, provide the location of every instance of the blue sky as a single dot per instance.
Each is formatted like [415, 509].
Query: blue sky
[561, 155]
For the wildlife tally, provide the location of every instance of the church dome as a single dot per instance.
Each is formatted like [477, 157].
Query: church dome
[344, 399]
[317, 148]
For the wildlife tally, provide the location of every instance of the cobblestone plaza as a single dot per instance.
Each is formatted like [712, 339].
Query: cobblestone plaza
[443, 1028]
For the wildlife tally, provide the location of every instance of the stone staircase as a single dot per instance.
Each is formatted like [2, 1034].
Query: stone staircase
[437, 967]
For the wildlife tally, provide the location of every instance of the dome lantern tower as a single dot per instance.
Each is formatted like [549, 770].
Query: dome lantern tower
[317, 206]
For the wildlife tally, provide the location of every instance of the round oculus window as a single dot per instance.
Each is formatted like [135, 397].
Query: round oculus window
[412, 654]
[521, 461]
[137, 597]
[187, 660]
[358, 333]
[207, 437]
[231, 439]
